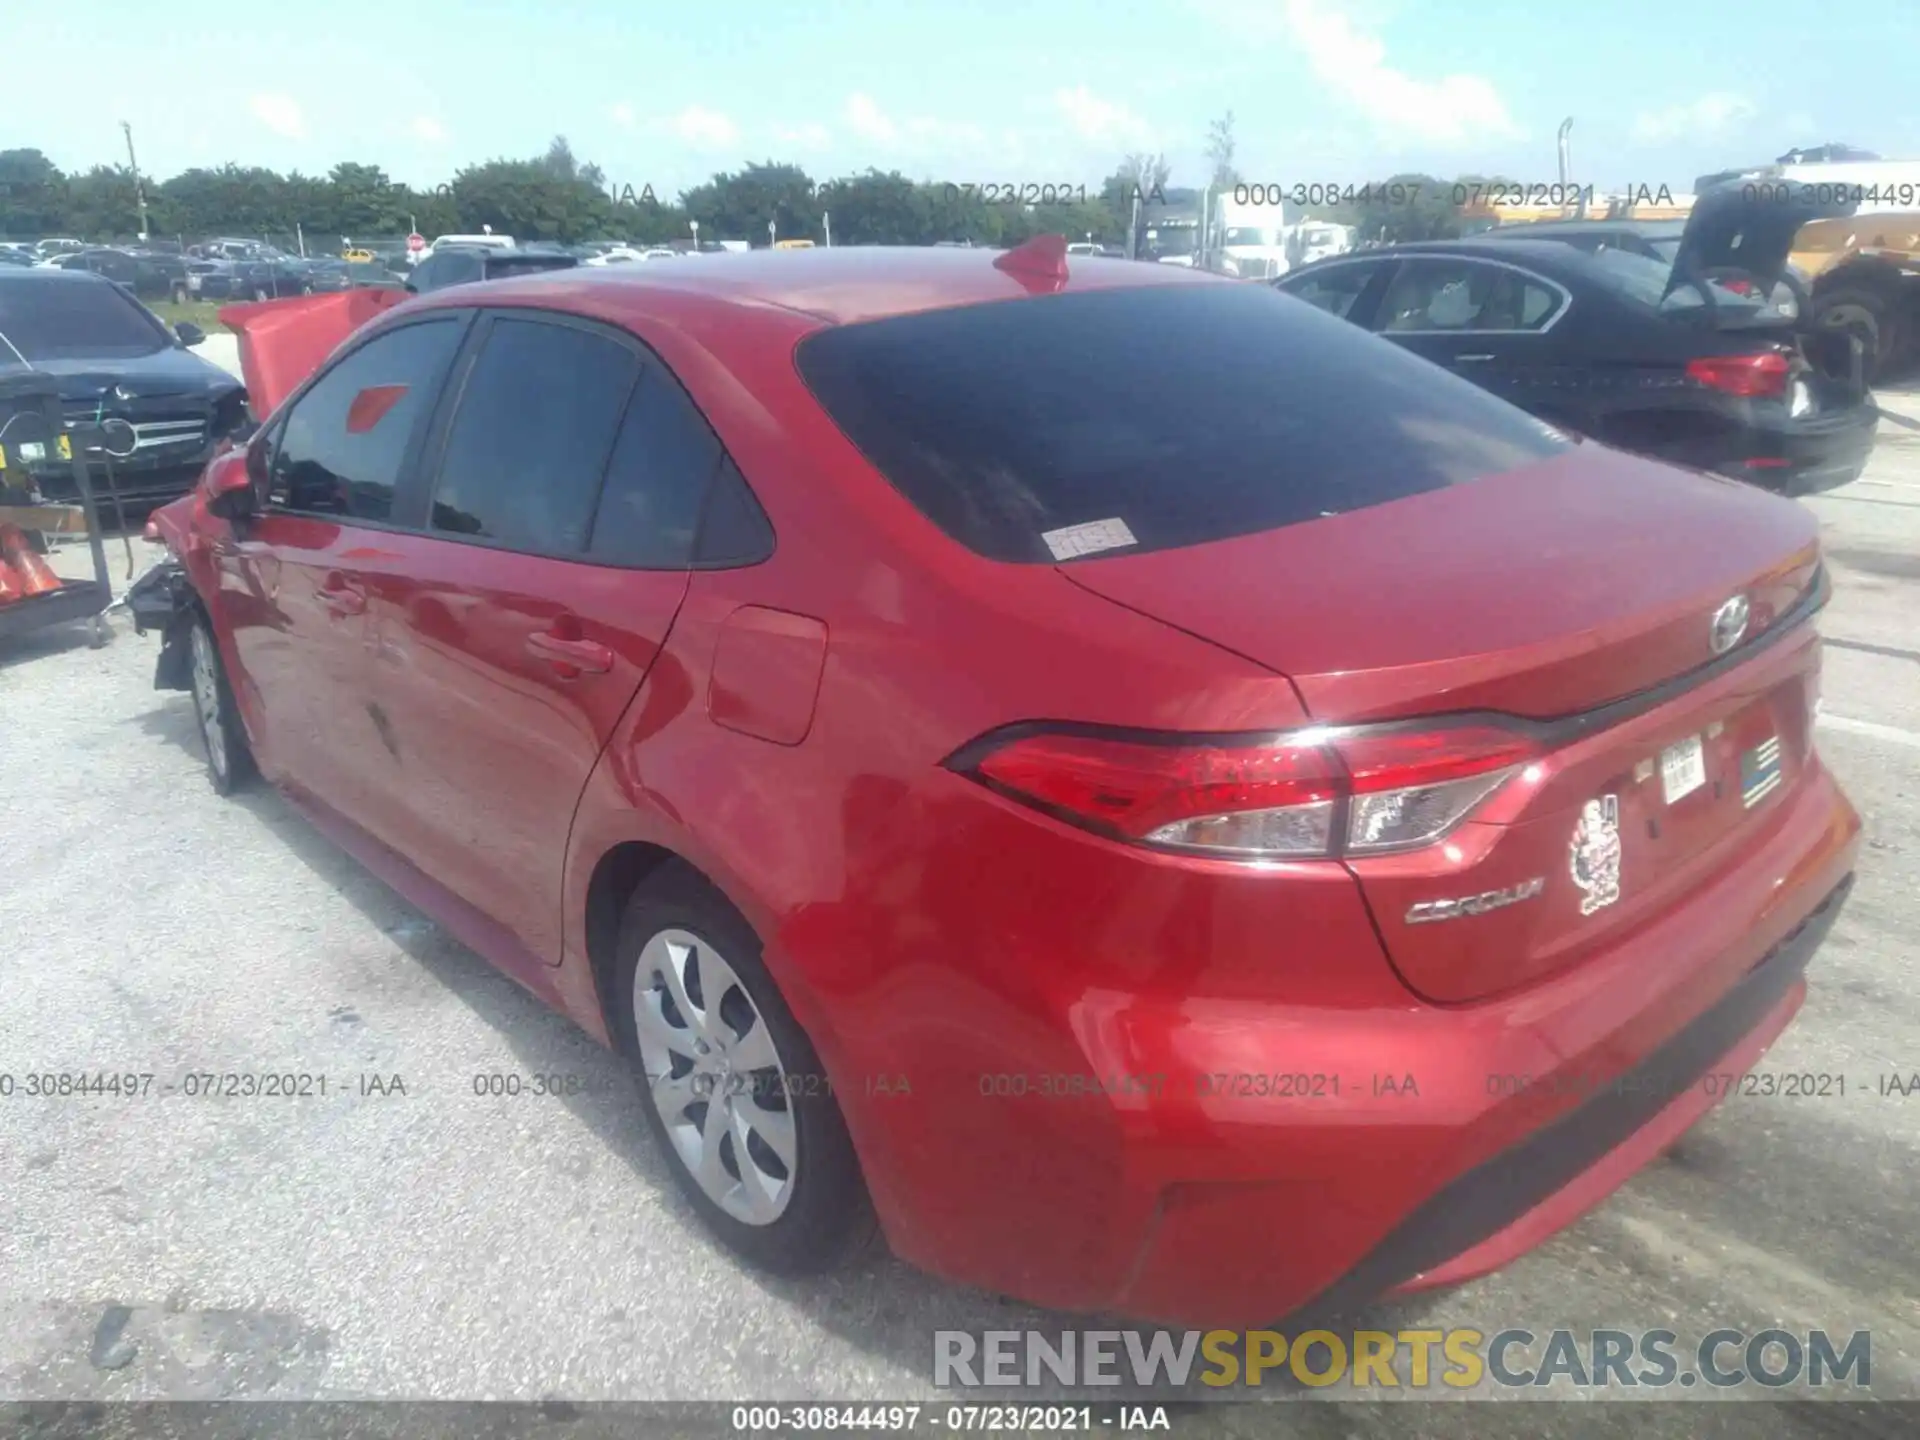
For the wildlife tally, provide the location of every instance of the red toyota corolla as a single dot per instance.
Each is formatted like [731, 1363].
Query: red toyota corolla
[1163, 801]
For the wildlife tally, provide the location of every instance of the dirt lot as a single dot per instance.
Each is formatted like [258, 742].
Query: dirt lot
[438, 1244]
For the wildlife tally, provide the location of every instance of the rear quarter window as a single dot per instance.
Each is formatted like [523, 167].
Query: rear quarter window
[1186, 414]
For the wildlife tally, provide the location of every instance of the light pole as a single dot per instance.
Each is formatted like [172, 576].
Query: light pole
[770, 234]
[695, 224]
[826, 222]
[139, 196]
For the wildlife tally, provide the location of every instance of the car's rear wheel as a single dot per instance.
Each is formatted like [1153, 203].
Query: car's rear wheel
[229, 761]
[734, 1091]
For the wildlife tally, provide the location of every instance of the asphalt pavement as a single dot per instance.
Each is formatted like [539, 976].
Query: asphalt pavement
[421, 1240]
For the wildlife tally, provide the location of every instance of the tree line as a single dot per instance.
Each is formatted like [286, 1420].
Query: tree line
[557, 197]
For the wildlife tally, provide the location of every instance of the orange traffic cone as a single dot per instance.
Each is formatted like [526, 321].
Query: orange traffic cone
[9, 584]
[35, 575]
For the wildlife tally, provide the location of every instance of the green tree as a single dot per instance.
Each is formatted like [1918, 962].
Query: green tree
[33, 195]
[737, 206]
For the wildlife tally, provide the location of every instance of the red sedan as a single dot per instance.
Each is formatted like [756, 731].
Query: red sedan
[1152, 798]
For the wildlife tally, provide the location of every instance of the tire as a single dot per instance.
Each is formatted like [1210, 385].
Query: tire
[1868, 313]
[229, 762]
[803, 1213]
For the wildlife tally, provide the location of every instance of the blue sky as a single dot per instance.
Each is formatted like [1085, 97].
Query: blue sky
[985, 90]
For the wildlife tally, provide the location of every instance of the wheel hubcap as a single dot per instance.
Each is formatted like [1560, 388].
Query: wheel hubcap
[206, 699]
[715, 1077]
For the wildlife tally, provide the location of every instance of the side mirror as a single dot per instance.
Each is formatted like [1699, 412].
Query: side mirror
[231, 492]
[190, 334]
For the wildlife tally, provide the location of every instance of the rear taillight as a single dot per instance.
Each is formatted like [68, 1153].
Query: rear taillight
[1749, 376]
[1313, 794]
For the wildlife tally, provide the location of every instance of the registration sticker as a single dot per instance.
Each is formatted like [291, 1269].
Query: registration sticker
[1088, 539]
[1683, 768]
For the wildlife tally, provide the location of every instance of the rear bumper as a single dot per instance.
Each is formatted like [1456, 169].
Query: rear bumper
[1804, 458]
[1503, 1208]
[1191, 1157]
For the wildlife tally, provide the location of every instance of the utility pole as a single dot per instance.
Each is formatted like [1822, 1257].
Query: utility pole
[139, 196]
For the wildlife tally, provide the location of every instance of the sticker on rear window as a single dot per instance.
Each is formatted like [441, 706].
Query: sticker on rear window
[1086, 539]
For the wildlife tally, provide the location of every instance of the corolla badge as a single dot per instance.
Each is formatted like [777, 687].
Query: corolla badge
[1430, 910]
[1729, 625]
[1596, 853]
[121, 392]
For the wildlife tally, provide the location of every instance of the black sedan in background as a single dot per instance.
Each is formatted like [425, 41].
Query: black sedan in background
[159, 409]
[465, 264]
[324, 276]
[1685, 359]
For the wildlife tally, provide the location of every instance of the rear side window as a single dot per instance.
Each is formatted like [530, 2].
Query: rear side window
[1465, 295]
[537, 421]
[1334, 289]
[656, 481]
[344, 441]
[1144, 419]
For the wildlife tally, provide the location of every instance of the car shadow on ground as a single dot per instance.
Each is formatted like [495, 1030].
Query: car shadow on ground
[891, 1311]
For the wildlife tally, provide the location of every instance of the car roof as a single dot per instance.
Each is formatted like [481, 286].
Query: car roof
[54, 275]
[1653, 228]
[1548, 255]
[842, 285]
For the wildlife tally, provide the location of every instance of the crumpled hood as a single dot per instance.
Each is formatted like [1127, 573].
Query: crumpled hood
[282, 342]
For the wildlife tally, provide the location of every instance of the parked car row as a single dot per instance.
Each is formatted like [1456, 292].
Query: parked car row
[1081, 696]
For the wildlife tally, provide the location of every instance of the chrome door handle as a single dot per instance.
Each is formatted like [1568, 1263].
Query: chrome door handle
[587, 656]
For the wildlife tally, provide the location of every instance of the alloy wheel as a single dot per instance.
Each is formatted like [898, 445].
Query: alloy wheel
[715, 1076]
[206, 698]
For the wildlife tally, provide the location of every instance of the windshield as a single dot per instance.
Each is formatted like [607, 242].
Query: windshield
[1251, 235]
[74, 320]
[1005, 424]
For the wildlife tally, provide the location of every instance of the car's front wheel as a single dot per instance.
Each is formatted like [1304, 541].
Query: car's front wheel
[734, 1091]
[229, 761]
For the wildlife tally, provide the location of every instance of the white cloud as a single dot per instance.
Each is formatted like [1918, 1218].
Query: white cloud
[869, 121]
[623, 116]
[1454, 110]
[1713, 114]
[280, 114]
[811, 136]
[426, 128]
[697, 126]
[921, 134]
[1104, 122]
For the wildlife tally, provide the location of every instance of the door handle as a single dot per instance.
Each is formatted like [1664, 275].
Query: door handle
[1467, 359]
[342, 598]
[566, 653]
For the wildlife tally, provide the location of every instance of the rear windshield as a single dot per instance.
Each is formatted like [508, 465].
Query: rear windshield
[45, 318]
[1644, 281]
[1146, 419]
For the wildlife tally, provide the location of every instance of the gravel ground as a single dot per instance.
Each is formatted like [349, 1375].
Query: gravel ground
[434, 1244]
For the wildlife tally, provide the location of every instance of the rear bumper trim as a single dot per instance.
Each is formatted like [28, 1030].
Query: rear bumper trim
[1478, 1205]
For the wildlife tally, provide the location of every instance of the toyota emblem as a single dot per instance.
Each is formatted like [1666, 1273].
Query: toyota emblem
[1729, 625]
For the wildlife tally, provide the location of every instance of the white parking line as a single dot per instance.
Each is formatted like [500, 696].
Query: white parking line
[1870, 727]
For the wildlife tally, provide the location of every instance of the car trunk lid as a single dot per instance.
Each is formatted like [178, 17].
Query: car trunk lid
[282, 342]
[1750, 227]
[1579, 595]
